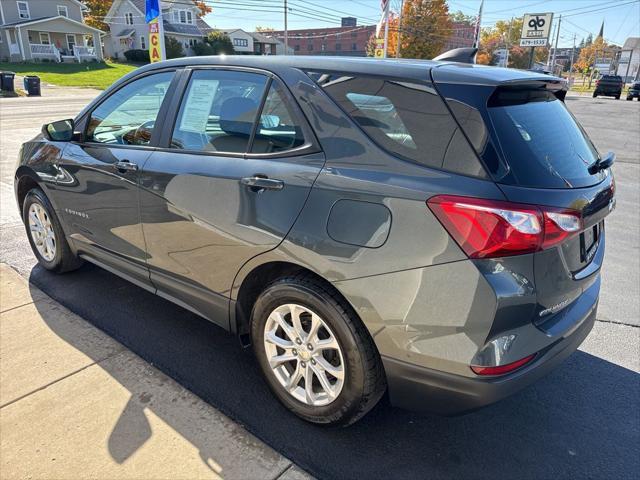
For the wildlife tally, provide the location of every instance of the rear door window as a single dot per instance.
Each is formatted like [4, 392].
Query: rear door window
[407, 119]
[219, 111]
[541, 141]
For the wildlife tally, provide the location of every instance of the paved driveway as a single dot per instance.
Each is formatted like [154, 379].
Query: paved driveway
[583, 420]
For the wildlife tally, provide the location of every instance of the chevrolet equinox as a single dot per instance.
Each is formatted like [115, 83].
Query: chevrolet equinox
[430, 229]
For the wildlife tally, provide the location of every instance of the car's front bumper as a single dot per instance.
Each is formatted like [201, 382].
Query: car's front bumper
[422, 389]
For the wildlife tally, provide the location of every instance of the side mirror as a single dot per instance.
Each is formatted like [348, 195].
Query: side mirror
[60, 131]
[605, 162]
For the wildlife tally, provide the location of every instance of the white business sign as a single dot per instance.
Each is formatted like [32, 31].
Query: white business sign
[535, 29]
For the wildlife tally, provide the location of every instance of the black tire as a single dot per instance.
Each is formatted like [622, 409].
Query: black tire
[617, 97]
[365, 381]
[64, 260]
[629, 99]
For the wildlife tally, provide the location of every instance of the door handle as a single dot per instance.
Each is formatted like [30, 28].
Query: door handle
[126, 166]
[258, 183]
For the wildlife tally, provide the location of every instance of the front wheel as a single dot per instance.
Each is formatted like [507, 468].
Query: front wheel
[45, 234]
[317, 357]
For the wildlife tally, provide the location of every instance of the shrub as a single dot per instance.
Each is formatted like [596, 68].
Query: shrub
[202, 48]
[220, 42]
[173, 48]
[137, 55]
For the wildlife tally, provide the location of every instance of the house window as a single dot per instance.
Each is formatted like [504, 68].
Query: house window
[338, 46]
[240, 42]
[71, 42]
[354, 46]
[296, 47]
[323, 47]
[45, 39]
[23, 10]
[183, 16]
[143, 42]
[310, 47]
[63, 11]
[128, 18]
[189, 16]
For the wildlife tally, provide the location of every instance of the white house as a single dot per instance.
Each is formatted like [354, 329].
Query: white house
[129, 30]
[629, 63]
[52, 30]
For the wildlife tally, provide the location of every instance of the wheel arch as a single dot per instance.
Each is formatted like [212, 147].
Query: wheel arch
[25, 180]
[253, 282]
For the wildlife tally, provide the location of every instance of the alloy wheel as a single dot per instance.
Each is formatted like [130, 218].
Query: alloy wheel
[42, 234]
[304, 355]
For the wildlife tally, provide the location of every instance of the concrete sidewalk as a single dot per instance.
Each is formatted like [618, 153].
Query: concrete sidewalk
[74, 403]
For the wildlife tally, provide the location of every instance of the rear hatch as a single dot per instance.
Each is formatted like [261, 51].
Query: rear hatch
[538, 154]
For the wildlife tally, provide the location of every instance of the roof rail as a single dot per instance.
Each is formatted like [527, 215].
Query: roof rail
[461, 55]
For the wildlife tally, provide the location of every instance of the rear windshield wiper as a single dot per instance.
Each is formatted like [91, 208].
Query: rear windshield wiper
[602, 163]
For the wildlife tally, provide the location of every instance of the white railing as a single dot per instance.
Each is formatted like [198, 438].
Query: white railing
[40, 50]
[84, 53]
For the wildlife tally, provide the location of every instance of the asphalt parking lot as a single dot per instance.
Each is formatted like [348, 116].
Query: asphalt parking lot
[583, 420]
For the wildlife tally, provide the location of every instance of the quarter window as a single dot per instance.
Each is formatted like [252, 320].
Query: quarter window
[219, 111]
[128, 116]
[407, 119]
[23, 10]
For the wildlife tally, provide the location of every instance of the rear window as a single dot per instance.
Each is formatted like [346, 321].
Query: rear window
[541, 141]
[407, 119]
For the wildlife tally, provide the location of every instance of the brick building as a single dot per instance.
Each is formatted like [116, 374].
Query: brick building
[462, 35]
[352, 40]
[341, 41]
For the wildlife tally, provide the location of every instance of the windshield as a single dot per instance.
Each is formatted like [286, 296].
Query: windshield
[541, 141]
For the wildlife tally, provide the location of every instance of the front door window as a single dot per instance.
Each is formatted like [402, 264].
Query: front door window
[128, 116]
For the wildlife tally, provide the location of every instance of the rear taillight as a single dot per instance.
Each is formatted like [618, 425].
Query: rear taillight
[502, 369]
[492, 228]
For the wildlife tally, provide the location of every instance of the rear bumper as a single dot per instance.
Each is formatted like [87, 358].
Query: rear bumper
[422, 389]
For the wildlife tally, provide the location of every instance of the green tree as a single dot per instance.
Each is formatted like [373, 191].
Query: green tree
[461, 17]
[220, 43]
[426, 26]
[96, 11]
[173, 47]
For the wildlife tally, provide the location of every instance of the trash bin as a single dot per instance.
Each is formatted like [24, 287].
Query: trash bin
[6, 81]
[32, 85]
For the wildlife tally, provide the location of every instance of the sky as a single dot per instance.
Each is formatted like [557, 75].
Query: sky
[580, 17]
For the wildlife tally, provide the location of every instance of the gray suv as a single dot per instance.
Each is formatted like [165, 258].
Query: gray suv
[434, 230]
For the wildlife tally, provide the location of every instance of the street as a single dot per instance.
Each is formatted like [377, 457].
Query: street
[583, 420]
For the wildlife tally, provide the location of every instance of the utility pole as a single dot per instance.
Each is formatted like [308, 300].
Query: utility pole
[386, 28]
[550, 43]
[286, 30]
[555, 49]
[508, 44]
[399, 45]
[573, 50]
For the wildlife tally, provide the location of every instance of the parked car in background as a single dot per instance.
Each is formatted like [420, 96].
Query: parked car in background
[634, 91]
[609, 86]
[430, 229]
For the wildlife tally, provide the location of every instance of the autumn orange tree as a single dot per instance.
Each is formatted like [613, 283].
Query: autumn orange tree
[589, 54]
[426, 26]
[506, 34]
[96, 11]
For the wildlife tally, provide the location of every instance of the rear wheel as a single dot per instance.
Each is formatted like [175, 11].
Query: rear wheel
[45, 234]
[617, 97]
[314, 352]
[629, 99]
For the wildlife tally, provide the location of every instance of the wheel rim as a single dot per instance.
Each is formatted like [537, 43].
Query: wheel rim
[304, 355]
[42, 233]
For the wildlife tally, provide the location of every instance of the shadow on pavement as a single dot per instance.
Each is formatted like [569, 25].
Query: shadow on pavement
[581, 421]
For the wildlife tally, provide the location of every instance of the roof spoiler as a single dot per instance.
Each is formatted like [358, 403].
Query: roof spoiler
[461, 55]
